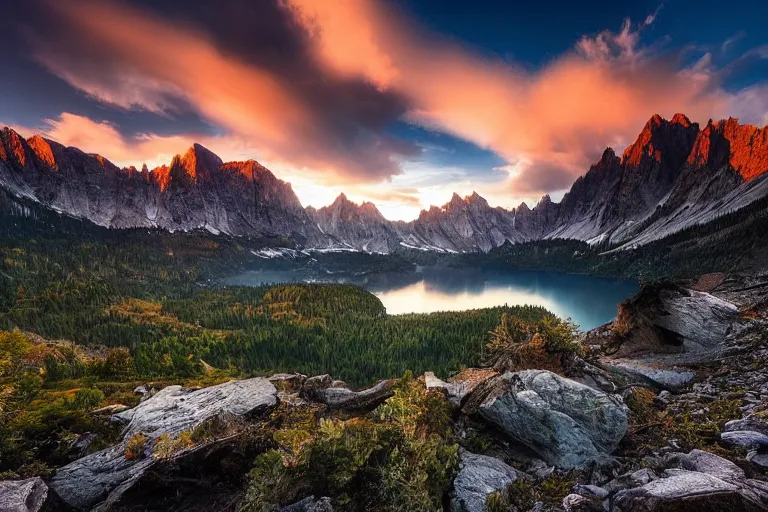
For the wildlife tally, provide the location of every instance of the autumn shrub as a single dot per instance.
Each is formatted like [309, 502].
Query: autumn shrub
[166, 446]
[517, 345]
[402, 457]
[136, 447]
[522, 494]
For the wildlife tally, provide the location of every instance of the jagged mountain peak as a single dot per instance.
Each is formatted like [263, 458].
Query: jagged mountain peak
[42, 149]
[743, 147]
[341, 199]
[458, 202]
[199, 163]
[608, 158]
[347, 208]
[14, 146]
[681, 119]
[649, 190]
[661, 139]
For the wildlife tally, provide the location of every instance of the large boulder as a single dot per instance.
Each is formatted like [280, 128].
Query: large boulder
[699, 481]
[23, 495]
[679, 490]
[479, 476]
[664, 317]
[568, 424]
[102, 477]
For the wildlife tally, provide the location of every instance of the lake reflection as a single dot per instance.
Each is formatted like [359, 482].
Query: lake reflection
[589, 301]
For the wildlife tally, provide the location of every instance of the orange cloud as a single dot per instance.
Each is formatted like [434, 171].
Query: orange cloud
[132, 59]
[556, 119]
[105, 139]
[549, 124]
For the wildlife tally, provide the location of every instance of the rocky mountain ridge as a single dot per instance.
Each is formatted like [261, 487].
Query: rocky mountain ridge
[196, 191]
[675, 175]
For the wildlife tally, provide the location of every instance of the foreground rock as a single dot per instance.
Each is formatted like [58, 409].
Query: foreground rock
[102, 477]
[343, 398]
[478, 477]
[666, 318]
[566, 423]
[310, 504]
[699, 481]
[23, 495]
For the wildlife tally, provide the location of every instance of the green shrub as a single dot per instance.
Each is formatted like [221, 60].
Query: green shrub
[523, 493]
[87, 399]
[14, 348]
[402, 457]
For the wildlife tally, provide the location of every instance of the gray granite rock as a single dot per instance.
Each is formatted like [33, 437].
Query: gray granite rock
[705, 462]
[22, 495]
[683, 488]
[479, 476]
[747, 439]
[652, 374]
[567, 423]
[104, 475]
[753, 423]
[697, 480]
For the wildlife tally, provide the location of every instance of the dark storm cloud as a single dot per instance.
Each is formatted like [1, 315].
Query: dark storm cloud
[245, 67]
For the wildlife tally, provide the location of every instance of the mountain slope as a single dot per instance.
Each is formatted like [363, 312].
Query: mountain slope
[196, 191]
[356, 226]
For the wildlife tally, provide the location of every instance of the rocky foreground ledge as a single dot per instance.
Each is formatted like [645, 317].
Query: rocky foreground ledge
[668, 412]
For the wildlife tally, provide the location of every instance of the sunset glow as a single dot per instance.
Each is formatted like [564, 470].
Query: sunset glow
[362, 97]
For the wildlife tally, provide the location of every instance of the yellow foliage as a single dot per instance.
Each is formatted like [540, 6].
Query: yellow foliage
[134, 449]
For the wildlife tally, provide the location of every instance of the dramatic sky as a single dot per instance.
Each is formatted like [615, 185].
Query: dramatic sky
[400, 102]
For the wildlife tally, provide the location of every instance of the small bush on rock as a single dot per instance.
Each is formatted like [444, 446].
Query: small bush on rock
[134, 449]
[521, 495]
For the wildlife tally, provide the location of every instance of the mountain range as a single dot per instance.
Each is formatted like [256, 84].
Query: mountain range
[673, 176]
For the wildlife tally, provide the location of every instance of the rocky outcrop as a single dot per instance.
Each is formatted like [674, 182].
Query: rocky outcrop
[662, 331]
[23, 495]
[479, 476]
[698, 480]
[566, 423]
[103, 477]
[664, 318]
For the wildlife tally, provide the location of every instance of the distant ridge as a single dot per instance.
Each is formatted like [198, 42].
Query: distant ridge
[673, 176]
